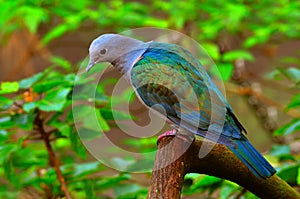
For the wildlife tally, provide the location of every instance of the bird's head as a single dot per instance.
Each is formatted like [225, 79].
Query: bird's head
[110, 47]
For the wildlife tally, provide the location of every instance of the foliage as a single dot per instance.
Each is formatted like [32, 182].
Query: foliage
[46, 96]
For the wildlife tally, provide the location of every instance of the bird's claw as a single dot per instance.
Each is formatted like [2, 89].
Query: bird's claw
[166, 134]
[173, 133]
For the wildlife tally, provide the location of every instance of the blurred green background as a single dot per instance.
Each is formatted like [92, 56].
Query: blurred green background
[255, 44]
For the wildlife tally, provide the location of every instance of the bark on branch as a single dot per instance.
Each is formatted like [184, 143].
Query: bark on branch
[53, 160]
[172, 163]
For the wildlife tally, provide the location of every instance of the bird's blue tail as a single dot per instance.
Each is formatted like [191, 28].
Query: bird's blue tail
[252, 159]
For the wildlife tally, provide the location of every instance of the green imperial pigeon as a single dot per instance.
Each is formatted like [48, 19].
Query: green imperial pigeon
[167, 78]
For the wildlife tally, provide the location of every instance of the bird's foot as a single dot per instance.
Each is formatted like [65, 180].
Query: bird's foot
[166, 134]
[173, 133]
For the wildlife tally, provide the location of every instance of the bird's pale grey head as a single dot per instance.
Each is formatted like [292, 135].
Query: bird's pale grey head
[112, 48]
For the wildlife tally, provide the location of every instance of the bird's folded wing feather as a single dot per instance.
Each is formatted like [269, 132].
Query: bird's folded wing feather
[182, 91]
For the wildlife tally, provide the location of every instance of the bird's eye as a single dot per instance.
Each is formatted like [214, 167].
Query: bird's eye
[103, 51]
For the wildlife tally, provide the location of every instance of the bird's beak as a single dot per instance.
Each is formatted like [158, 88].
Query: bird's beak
[90, 65]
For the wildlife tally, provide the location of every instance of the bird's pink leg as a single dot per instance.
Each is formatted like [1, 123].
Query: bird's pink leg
[173, 133]
[166, 134]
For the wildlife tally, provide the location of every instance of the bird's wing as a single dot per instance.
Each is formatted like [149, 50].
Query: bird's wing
[181, 91]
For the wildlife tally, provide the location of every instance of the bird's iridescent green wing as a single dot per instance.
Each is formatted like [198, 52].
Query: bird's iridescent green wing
[167, 79]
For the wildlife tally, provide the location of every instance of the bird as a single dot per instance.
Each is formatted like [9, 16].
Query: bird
[169, 79]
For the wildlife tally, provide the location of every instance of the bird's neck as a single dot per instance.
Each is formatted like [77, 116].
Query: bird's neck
[126, 61]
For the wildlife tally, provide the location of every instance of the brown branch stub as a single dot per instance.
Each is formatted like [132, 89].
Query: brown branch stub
[169, 170]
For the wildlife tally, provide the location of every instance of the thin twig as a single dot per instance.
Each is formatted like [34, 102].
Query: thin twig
[54, 162]
[18, 105]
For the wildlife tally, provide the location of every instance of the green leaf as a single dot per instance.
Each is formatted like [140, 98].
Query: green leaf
[47, 85]
[121, 163]
[54, 33]
[5, 103]
[88, 133]
[295, 102]
[143, 145]
[237, 54]
[205, 181]
[279, 150]
[91, 121]
[90, 92]
[212, 49]
[127, 190]
[289, 174]
[24, 121]
[9, 170]
[25, 158]
[63, 127]
[291, 73]
[89, 188]
[298, 176]
[6, 122]
[61, 62]
[54, 100]
[49, 106]
[290, 60]
[228, 190]
[288, 128]
[7, 11]
[33, 16]
[250, 42]
[6, 149]
[29, 106]
[112, 181]
[4, 136]
[28, 82]
[225, 69]
[76, 145]
[236, 13]
[84, 169]
[9, 87]
[155, 22]
[109, 114]
[143, 164]
[102, 122]
[274, 75]
[250, 195]
[94, 122]
[192, 176]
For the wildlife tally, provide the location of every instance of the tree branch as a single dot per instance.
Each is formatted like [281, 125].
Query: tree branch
[54, 162]
[170, 167]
